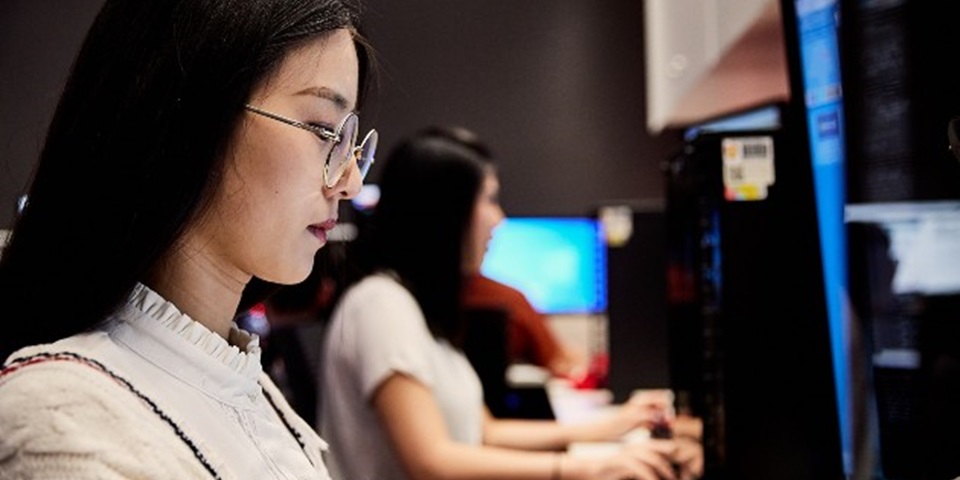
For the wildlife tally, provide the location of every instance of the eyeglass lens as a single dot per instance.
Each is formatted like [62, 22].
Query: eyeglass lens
[342, 151]
[367, 150]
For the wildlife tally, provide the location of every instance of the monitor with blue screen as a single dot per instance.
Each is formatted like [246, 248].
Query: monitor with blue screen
[820, 94]
[559, 263]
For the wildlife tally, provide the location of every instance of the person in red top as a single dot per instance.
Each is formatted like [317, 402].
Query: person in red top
[530, 339]
[529, 336]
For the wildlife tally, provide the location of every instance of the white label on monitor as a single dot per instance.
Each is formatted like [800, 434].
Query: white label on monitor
[747, 167]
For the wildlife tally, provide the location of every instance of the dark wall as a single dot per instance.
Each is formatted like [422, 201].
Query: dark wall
[556, 88]
[38, 40]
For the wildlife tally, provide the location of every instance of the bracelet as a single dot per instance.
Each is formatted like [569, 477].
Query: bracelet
[557, 474]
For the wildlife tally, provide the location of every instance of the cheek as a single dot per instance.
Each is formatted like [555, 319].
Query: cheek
[247, 190]
[259, 188]
[271, 156]
[272, 174]
[261, 229]
[268, 168]
[491, 220]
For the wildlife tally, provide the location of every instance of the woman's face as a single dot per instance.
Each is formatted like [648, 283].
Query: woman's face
[487, 214]
[272, 212]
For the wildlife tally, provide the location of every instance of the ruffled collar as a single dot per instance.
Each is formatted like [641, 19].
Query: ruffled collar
[164, 335]
[234, 352]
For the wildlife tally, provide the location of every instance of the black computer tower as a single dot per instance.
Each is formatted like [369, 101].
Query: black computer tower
[749, 339]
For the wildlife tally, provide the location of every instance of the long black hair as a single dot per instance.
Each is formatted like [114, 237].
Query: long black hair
[137, 146]
[428, 188]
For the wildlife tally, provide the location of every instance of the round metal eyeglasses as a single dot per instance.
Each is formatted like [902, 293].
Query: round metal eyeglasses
[343, 152]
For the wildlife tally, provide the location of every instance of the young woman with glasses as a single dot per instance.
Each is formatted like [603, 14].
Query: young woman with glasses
[199, 149]
[399, 398]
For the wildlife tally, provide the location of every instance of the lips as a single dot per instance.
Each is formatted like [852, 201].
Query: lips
[321, 230]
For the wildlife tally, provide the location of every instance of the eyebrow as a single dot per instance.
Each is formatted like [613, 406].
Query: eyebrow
[327, 94]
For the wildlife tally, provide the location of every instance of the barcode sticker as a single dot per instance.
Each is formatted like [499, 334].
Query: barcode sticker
[755, 150]
[747, 167]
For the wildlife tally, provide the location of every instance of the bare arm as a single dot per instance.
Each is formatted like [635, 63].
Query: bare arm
[419, 436]
[640, 411]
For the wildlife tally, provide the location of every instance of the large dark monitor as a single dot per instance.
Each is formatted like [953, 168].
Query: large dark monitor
[905, 292]
[559, 263]
[876, 98]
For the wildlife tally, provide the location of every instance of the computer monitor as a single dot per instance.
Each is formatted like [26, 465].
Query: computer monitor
[813, 40]
[559, 263]
[876, 102]
[758, 118]
[905, 289]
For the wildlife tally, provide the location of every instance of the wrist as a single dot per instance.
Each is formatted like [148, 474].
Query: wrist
[577, 468]
[557, 473]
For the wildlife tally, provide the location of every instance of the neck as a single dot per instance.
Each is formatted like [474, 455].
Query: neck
[199, 286]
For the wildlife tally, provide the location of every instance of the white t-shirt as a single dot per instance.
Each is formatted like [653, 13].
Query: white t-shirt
[150, 394]
[376, 331]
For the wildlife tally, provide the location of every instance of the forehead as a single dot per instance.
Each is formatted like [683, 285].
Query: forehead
[326, 67]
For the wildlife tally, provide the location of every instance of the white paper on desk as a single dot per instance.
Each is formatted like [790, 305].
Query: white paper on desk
[571, 405]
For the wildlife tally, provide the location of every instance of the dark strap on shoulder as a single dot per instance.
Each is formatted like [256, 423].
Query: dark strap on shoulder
[286, 423]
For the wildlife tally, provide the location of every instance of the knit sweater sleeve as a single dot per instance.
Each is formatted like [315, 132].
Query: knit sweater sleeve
[67, 420]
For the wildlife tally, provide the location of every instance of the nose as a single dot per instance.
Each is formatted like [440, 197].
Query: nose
[348, 186]
[500, 215]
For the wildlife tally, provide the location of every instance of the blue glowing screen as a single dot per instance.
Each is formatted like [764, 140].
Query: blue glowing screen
[559, 263]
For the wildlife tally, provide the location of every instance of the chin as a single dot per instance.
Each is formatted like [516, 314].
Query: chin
[291, 275]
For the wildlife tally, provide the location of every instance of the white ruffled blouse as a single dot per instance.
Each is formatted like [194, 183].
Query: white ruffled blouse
[150, 394]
